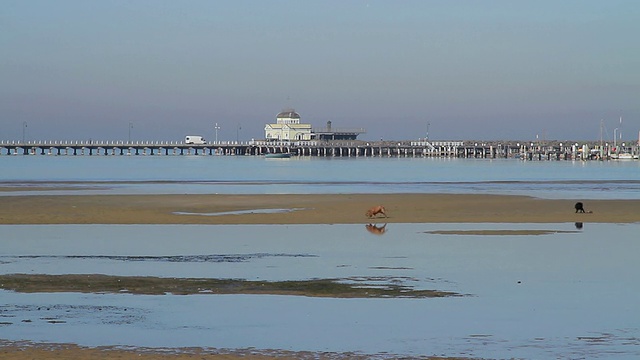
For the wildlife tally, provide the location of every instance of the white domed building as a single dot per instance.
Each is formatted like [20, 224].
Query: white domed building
[287, 128]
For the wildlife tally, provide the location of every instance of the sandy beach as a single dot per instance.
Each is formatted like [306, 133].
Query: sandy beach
[306, 209]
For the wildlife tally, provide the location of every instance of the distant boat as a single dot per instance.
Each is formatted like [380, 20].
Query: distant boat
[277, 155]
[624, 156]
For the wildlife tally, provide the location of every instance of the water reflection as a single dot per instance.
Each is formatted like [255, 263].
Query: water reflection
[376, 229]
[578, 225]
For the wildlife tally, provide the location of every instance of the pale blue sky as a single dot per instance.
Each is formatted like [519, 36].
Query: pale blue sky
[479, 70]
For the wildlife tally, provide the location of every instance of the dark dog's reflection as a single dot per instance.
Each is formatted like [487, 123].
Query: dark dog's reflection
[375, 229]
[578, 225]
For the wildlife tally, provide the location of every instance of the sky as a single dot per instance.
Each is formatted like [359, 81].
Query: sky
[455, 70]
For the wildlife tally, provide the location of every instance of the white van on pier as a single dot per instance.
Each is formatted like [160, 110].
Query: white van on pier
[195, 140]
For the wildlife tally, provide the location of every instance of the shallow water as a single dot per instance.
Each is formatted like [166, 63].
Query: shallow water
[305, 175]
[563, 295]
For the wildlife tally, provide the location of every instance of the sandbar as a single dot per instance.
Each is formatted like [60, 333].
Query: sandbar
[307, 209]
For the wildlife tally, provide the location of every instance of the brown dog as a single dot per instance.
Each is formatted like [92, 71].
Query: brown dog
[374, 211]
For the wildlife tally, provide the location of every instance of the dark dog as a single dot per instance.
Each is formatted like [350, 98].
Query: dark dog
[579, 207]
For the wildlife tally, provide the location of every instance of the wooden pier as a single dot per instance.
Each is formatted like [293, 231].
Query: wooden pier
[443, 149]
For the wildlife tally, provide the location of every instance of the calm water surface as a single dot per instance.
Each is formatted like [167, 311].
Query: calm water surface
[251, 174]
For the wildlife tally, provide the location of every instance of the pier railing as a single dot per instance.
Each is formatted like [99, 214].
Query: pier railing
[36, 143]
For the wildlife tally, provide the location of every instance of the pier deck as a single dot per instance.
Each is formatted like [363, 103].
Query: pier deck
[457, 149]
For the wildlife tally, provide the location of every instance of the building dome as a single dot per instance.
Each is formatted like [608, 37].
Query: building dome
[289, 114]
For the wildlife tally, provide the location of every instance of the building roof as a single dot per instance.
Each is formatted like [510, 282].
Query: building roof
[290, 126]
[288, 113]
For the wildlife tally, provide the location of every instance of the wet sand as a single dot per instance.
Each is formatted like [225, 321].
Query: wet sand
[306, 209]
[24, 351]
[30, 351]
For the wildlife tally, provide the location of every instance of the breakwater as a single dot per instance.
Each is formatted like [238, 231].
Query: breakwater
[460, 149]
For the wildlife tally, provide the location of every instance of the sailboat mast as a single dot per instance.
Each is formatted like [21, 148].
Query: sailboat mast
[601, 149]
[620, 128]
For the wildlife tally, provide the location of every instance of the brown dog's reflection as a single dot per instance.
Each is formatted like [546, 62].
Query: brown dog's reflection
[375, 229]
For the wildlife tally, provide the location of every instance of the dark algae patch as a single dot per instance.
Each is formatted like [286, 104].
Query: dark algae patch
[96, 283]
